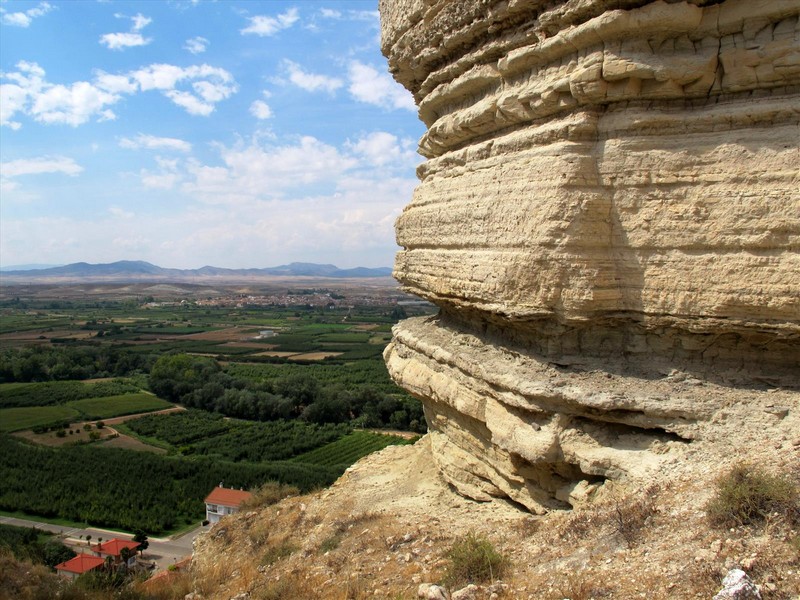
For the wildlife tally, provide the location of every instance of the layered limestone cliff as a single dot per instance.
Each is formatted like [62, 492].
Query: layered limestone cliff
[609, 221]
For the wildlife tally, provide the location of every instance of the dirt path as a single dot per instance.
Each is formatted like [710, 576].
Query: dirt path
[124, 418]
[128, 442]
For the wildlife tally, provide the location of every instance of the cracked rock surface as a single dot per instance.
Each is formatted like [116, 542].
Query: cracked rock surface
[609, 222]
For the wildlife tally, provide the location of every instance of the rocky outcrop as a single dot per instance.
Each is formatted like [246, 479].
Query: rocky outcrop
[609, 221]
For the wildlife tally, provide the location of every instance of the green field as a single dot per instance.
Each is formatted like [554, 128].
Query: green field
[252, 416]
[27, 417]
[348, 449]
[117, 406]
[17, 419]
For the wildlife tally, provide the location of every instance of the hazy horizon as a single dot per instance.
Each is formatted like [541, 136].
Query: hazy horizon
[237, 134]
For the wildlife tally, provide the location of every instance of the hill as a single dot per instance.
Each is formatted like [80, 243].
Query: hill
[137, 270]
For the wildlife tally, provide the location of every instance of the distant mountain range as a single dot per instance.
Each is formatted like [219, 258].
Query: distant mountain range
[137, 270]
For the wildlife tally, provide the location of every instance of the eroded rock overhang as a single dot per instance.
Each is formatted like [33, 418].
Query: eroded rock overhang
[609, 221]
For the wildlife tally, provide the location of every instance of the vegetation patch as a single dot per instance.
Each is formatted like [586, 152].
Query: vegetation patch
[278, 552]
[60, 392]
[129, 490]
[117, 406]
[27, 543]
[17, 419]
[473, 559]
[269, 493]
[747, 495]
[347, 450]
[196, 432]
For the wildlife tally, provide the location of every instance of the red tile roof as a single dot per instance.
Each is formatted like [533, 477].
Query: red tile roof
[80, 564]
[114, 547]
[227, 497]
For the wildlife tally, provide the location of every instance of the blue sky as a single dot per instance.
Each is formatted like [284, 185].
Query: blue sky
[186, 133]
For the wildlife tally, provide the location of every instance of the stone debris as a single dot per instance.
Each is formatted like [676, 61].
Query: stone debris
[738, 586]
[431, 591]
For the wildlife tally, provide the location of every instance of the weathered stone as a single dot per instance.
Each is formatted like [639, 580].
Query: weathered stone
[431, 591]
[610, 196]
[466, 593]
[738, 586]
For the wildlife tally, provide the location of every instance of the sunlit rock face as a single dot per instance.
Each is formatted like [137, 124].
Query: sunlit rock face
[608, 220]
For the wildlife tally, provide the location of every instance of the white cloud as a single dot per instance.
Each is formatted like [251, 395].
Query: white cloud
[191, 103]
[74, 104]
[116, 84]
[329, 13]
[151, 142]
[196, 45]
[311, 82]
[298, 199]
[140, 22]
[120, 213]
[133, 38]
[120, 41]
[24, 19]
[260, 110]
[35, 166]
[265, 26]
[210, 85]
[166, 177]
[369, 85]
[365, 15]
[380, 148]
[255, 171]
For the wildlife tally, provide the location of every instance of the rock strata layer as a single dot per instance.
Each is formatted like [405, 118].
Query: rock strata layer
[609, 221]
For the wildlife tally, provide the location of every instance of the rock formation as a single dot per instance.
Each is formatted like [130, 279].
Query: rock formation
[609, 221]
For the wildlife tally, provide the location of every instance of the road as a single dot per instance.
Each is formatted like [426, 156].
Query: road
[162, 551]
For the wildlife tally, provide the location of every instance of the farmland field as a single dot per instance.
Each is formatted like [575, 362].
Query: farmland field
[343, 452]
[15, 419]
[278, 383]
[118, 406]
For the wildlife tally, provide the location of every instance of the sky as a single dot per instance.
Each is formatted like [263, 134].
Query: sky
[186, 133]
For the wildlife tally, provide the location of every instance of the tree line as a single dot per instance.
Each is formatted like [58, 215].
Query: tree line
[200, 382]
[58, 363]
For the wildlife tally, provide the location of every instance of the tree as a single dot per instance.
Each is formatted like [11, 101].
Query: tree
[141, 537]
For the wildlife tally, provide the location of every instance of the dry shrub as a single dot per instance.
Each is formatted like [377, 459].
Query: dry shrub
[208, 579]
[582, 586]
[173, 586]
[279, 551]
[259, 531]
[341, 527]
[330, 543]
[269, 493]
[290, 587]
[473, 559]
[356, 588]
[631, 514]
[747, 495]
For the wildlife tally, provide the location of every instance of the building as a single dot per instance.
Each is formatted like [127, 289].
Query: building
[224, 501]
[83, 563]
[113, 548]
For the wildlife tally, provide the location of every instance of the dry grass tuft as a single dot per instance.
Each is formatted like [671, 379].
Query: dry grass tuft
[582, 586]
[268, 494]
[473, 559]
[746, 495]
[630, 515]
